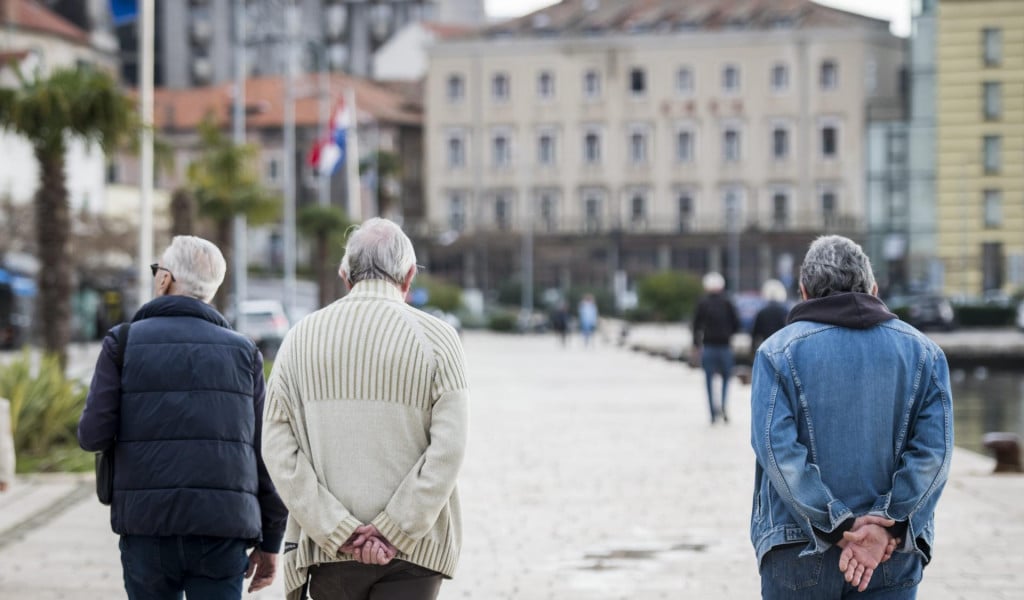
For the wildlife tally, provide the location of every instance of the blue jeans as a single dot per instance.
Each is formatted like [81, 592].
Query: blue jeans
[785, 576]
[717, 359]
[203, 568]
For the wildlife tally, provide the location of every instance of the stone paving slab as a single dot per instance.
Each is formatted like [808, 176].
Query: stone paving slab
[592, 473]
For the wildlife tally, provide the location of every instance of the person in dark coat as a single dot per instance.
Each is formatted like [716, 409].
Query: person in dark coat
[771, 317]
[181, 403]
[714, 324]
[560, 321]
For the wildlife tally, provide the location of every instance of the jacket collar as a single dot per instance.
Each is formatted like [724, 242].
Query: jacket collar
[376, 289]
[854, 310]
[180, 306]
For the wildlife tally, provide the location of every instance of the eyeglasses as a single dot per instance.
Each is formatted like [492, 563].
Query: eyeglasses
[156, 267]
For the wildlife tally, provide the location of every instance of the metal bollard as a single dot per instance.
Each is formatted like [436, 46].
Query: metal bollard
[1006, 447]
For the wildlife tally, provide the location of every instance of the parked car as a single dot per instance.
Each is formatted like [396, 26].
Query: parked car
[265, 322]
[925, 311]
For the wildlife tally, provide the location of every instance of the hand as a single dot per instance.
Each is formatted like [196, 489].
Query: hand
[368, 546]
[865, 546]
[263, 565]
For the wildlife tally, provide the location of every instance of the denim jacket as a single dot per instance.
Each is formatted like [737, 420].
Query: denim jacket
[851, 414]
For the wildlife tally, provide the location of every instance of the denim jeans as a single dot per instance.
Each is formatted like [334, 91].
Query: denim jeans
[162, 568]
[786, 576]
[717, 359]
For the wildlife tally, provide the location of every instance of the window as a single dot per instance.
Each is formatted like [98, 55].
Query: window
[993, 92]
[684, 202]
[780, 78]
[501, 151]
[638, 148]
[780, 210]
[731, 79]
[993, 209]
[829, 141]
[546, 85]
[992, 149]
[637, 81]
[829, 206]
[591, 85]
[456, 89]
[456, 152]
[591, 211]
[992, 46]
[500, 87]
[456, 211]
[731, 145]
[548, 211]
[780, 143]
[829, 75]
[502, 218]
[684, 81]
[546, 149]
[592, 148]
[637, 208]
[684, 146]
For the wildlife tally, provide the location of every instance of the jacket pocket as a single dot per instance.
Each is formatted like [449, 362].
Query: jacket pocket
[903, 570]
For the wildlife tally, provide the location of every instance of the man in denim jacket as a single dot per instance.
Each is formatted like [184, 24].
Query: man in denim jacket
[852, 425]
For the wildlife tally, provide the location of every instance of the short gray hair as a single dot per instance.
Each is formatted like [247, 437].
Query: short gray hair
[197, 265]
[377, 249]
[773, 291]
[714, 282]
[835, 264]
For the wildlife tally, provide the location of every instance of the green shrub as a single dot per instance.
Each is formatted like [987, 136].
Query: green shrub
[669, 295]
[441, 294]
[502, 321]
[985, 316]
[45, 407]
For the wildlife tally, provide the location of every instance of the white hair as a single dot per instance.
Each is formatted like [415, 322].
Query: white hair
[197, 265]
[773, 291]
[377, 249]
[714, 282]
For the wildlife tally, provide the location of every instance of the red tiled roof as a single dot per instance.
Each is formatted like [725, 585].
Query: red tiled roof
[186, 108]
[447, 30]
[29, 14]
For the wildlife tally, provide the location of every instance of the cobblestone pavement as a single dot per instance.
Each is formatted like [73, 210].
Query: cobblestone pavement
[592, 473]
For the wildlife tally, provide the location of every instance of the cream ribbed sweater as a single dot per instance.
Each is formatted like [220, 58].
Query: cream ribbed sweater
[365, 422]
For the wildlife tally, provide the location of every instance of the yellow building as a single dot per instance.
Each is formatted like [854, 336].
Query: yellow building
[980, 150]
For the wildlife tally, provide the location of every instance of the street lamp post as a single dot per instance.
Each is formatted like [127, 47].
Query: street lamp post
[240, 246]
[291, 19]
[146, 55]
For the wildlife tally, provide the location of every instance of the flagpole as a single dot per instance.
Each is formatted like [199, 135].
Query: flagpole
[291, 20]
[355, 197]
[240, 248]
[146, 35]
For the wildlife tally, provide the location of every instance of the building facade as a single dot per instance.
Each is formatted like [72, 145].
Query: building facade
[980, 145]
[688, 135]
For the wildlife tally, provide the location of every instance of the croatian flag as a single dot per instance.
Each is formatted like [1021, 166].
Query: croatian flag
[328, 153]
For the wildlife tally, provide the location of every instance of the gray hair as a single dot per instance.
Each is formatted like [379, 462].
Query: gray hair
[197, 265]
[773, 291]
[835, 264]
[714, 282]
[377, 249]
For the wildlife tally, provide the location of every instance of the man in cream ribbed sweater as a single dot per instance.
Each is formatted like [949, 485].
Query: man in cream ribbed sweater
[364, 434]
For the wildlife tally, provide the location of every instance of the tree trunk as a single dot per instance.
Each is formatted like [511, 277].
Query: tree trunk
[53, 232]
[182, 213]
[323, 270]
[225, 241]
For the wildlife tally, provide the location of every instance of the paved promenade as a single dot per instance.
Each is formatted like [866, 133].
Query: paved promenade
[592, 474]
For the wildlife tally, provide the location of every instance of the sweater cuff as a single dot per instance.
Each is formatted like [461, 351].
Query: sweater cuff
[341, 533]
[271, 542]
[393, 533]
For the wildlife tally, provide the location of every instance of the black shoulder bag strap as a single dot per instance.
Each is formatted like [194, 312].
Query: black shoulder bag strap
[105, 458]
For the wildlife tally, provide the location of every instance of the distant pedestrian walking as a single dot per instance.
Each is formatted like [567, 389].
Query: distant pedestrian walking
[181, 403]
[772, 317]
[852, 427]
[560, 321]
[588, 318]
[6, 446]
[366, 426]
[714, 324]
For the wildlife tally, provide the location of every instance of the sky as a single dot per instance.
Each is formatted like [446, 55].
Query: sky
[897, 12]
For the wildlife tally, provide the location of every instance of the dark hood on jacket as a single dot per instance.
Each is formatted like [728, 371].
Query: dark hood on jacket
[854, 310]
[180, 306]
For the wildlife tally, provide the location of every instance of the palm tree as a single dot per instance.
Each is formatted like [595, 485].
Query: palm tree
[324, 224]
[224, 184]
[82, 103]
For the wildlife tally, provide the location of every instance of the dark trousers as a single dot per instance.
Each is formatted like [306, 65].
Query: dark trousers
[397, 580]
[163, 568]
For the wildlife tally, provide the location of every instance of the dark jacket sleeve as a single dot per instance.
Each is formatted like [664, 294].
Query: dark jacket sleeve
[97, 427]
[273, 513]
[698, 324]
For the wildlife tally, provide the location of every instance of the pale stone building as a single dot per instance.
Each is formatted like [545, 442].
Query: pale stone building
[690, 134]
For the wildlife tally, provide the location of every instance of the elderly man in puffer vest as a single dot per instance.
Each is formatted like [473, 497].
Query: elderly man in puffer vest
[184, 415]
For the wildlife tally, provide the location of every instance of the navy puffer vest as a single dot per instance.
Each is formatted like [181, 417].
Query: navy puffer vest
[185, 460]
